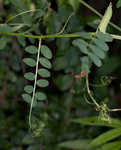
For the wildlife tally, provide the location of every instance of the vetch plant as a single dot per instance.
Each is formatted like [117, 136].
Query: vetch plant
[43, 72]
[92, 49]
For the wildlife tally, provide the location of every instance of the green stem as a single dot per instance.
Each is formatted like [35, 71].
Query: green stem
[62, 30]
[28, 11]
[40, 36]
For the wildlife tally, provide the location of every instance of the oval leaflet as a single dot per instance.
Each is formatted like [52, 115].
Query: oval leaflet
[42, 83]
[31, 49]
[30, 62]
[46, 51]
[45, 63]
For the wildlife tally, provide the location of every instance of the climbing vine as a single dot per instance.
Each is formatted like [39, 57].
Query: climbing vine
[88, 49]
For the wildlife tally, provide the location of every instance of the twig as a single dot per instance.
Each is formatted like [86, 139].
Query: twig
[35, 81]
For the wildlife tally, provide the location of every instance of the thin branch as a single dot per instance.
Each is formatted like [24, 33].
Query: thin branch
[23, 12]
[62, 30]
[35, 81]
[40, 36]
[89, 92]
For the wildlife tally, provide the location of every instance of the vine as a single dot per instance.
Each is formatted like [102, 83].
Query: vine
[35, 82]
[93, 48]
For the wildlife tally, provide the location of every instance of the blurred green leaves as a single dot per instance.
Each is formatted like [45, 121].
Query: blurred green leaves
[64, 82]
[118, 4]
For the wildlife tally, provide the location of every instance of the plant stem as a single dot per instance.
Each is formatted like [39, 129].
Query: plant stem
[41, 36]
[89, 92]
[117, 37]
[62, 30]
[35, 81]
[23, 12]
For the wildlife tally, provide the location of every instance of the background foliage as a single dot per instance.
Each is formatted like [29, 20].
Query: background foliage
[61, 119]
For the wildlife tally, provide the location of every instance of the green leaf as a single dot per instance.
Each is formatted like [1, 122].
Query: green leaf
[45, 63]
[95, 59]
[97, 51]
[44, 73]
[5, 28]
[31, 49]
[105, 137]
[101, 44]
[29, 76]
[28, 89]
[40, 96]
[30, 62]
[118, 4]
[82, 45]
[27, 98]
[42, 83]
[95, 121]
[76, 144]
[111, 146]
[106, 19]
[46, 51]
[104, 37]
